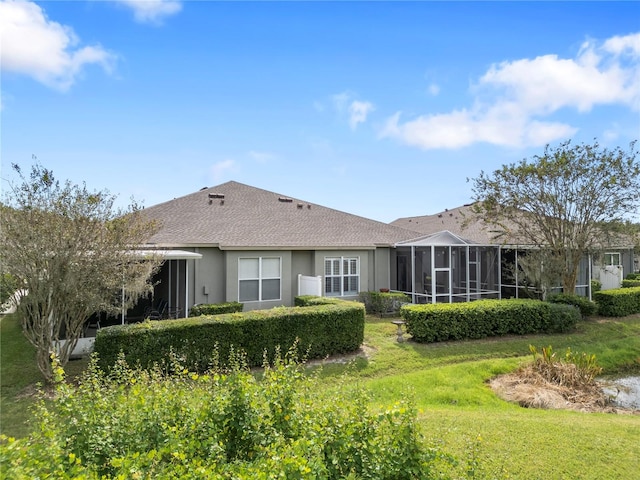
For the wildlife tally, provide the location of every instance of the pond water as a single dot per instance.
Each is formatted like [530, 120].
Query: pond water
[624, 392]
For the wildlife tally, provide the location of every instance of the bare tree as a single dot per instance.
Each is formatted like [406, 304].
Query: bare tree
[565, 203]
[71, 251]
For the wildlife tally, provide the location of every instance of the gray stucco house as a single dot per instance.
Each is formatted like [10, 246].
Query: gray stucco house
[234, 242]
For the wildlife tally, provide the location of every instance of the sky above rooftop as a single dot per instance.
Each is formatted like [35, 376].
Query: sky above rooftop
[380, 109]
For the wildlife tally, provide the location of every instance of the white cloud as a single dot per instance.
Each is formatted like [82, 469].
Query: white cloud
[152, 11]
[618, 45]
[513, 99]
[35, 46]
[220, 169]
[358, 112]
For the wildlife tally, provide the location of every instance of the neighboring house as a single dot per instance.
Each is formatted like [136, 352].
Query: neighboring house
[609, 265]
[263, 249]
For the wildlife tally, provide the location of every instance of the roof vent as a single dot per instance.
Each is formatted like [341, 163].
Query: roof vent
[216, 195]
[285, 199]
[300, 205]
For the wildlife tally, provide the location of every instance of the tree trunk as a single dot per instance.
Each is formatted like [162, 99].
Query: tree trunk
[569, 280]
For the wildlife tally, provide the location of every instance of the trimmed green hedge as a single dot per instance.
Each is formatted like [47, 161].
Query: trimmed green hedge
[383, 303]
[633, 276]
[215, 308]
[619, 302]
[312, 300]
[321, 330]
[586, 306]
[486, 318]
[628, 283]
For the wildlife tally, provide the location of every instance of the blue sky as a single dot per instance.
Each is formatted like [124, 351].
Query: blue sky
[379, 109]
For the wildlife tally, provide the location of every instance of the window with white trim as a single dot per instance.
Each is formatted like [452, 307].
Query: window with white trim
[341, 276]
[259, 279]
[612, 259]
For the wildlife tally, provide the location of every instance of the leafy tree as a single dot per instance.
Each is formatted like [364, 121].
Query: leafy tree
[564, 204]
[70, 250]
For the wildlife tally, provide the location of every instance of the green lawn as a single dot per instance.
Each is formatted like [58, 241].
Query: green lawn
[19, 377]
[457, 409]
[448, 384]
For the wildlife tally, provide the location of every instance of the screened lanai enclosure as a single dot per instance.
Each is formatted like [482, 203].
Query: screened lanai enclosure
[445, 268]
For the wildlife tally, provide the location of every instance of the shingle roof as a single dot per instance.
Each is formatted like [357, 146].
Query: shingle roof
[463, 222]
[234, 215]
[460, 221]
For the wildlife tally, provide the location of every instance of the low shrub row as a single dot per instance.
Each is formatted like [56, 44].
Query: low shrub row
[321, 330]
[633, 276]
[313, 300]
[628, 283]
[586, 306]
[383, 303]
[619, 302]
[215, 308]
[485, 318]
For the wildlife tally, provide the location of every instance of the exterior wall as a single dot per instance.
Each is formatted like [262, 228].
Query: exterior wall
[214, 277]
[302, 262]
[208, 285]
[381, 269]
[627, 262]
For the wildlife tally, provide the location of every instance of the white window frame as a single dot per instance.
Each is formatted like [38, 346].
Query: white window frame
[341, 275]
[609, 256]
[261, 278]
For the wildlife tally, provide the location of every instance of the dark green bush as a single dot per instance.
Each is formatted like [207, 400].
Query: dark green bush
[596, 286]
[619, 302]
[633, 276]
[221, 425]
[563, 317]
[383, 303]
[320, 330]
[485, 318]
[587, 307]
[215, 308]
[629, 283]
